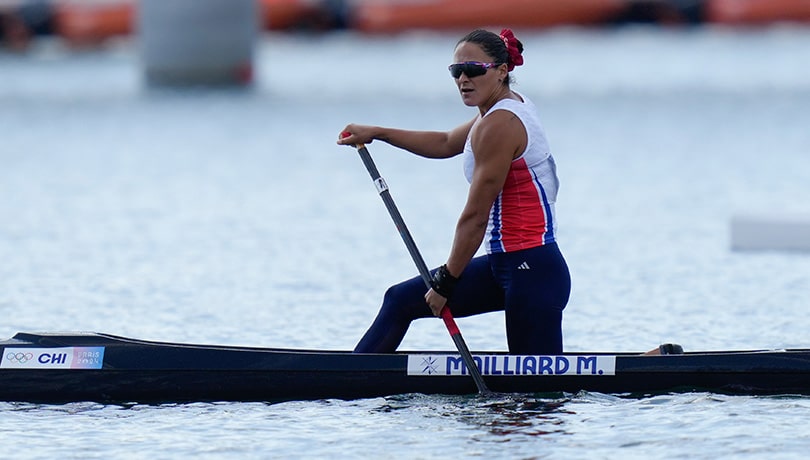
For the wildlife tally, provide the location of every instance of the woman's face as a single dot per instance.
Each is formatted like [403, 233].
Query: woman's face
[480, 90]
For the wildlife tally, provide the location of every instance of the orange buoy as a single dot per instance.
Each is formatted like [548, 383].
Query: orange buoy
[757, 12]
[91, 22]
[398, 15]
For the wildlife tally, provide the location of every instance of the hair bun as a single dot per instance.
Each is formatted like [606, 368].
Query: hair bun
[514, 47]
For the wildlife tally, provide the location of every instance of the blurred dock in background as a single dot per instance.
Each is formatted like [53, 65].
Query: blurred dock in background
[83, 23]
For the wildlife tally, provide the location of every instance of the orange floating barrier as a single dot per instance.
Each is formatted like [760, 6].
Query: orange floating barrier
[86, 22]
[757, 12]
[384, 16]
[83, 22]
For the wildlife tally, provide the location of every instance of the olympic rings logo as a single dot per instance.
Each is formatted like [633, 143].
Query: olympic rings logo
[20, 357]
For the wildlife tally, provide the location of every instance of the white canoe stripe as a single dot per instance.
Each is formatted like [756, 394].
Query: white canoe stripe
[506, 365]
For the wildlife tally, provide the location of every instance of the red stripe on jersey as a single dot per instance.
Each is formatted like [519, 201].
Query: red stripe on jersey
[523, 216]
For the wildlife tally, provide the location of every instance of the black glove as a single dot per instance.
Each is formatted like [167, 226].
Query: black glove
[443, 282]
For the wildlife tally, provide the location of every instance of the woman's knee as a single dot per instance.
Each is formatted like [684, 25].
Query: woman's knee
[403, 302]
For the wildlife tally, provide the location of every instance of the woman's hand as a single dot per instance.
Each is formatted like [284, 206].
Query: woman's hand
[435, 301]
[356, 134]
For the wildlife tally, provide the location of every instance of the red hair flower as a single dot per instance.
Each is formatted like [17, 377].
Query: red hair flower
[511, 42]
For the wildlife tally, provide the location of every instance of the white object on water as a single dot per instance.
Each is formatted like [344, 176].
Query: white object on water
[769, 232]
[198, 42]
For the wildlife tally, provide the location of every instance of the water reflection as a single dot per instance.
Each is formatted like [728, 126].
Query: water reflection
[69, 408]
[500, 415]
[518, 414]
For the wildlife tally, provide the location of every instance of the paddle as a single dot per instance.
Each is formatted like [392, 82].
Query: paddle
[446, 315]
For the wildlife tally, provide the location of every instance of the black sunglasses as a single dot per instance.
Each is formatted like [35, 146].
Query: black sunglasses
[471, 68]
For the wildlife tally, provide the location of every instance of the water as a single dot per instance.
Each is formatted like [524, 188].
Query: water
[232, 217]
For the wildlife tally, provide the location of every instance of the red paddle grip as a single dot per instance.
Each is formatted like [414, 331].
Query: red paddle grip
[449, 321]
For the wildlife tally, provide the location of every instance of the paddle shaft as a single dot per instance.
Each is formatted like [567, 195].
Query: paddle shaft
[446, 315]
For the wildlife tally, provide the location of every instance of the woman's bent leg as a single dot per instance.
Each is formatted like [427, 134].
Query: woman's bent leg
[538, 285]
[477, 292]
[402, 304]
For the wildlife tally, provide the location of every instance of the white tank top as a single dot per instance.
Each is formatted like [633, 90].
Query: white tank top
[523, 215]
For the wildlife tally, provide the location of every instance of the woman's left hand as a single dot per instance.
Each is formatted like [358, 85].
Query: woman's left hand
[435, 301]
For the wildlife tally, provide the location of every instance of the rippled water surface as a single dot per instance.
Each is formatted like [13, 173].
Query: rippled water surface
[232, 217]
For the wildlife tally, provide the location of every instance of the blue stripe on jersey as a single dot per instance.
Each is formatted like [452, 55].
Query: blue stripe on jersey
[495, 244]
[548, 235]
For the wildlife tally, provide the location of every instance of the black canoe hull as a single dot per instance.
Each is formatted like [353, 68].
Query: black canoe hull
[112, 369]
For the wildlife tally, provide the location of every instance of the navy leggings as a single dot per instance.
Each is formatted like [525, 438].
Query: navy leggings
[532, 286]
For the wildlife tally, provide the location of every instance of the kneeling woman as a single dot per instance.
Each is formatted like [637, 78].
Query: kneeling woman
[510, 203]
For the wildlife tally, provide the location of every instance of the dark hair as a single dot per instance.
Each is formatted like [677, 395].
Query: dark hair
[493, 44]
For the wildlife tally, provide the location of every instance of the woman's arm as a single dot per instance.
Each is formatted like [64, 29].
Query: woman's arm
[428, 144]
[497, 140]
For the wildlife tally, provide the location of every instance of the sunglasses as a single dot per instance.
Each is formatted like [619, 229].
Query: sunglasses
[471, 68]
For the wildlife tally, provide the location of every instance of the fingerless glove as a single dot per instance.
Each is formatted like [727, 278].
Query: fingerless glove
[443, 282]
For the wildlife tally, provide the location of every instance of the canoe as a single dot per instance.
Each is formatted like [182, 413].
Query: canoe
[61, 368]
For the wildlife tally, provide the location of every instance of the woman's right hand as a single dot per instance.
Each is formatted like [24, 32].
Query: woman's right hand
[356, 134]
